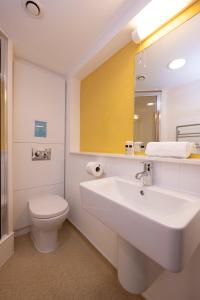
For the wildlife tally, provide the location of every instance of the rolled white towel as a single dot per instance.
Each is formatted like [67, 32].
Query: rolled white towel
[170, 149]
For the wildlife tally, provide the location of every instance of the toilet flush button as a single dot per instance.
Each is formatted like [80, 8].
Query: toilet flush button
[41, 154]
[37, 153]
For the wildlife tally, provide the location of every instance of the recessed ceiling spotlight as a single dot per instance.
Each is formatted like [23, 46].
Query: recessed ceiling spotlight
[140, 77]
[177, 63]
[150, 104]
[33, 8]
[136, 117]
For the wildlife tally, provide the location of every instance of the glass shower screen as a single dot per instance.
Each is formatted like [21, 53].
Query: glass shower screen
[4, 144]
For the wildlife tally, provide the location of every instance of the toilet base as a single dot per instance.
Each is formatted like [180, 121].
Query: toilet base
[44, 232]
[45, 241]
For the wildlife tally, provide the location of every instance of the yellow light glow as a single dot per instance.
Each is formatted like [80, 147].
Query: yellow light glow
[136, 117]
[150, 104]
[155, 14]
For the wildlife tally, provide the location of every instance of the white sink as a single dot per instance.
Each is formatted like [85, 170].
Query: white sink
[162, 224]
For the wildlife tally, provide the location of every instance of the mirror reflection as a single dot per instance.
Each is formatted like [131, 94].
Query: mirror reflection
[147, 106]
[167, 97]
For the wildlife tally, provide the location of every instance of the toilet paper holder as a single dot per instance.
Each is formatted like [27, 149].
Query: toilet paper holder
[98, 168]
[94, 168]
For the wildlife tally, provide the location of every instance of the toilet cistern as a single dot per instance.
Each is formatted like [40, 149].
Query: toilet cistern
[146, 174]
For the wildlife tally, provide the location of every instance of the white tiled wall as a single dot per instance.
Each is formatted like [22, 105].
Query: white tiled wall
[38, 95]
[181, 286]
[179, 177]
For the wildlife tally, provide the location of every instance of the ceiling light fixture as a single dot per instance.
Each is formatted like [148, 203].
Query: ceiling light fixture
[136, 117]
[140, 77]
[150, 104]
[176, 64]
[154, 15]
[33, 8]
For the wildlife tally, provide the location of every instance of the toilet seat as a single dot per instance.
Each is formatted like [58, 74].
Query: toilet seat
[48, 206]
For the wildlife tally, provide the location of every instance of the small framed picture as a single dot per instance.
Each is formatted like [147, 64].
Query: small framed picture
[40, 129]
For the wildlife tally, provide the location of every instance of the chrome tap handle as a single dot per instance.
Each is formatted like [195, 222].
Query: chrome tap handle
[146, 174]
[148, 166]
[148, 178]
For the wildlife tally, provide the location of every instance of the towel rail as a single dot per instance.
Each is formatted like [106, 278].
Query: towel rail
[191, 132]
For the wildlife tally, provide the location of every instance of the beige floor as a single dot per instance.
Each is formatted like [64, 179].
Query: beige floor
[75, 271]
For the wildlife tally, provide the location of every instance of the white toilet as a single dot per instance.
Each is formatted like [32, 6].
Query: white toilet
[47, 214]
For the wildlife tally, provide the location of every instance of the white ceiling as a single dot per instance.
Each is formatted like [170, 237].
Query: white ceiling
[70, 33]
[183, 42]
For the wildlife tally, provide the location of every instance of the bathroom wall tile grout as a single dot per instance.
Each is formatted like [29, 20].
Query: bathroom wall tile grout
[31, 142]
[39, 186]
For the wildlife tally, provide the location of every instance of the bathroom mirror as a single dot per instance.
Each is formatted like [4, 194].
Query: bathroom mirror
[167, 96]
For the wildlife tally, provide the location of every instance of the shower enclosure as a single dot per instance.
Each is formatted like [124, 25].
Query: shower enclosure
[4, 136]
[6, 187]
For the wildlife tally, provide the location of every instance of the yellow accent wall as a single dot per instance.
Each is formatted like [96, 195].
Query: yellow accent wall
[106, 104]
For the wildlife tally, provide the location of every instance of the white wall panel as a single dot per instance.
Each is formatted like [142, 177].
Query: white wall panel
[37, 173]
[173, 176]
[38, 95]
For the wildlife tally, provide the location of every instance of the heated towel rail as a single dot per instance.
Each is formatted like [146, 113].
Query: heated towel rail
[190, 133]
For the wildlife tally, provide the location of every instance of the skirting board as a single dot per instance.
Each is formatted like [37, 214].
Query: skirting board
[6, 248]
[22, 231]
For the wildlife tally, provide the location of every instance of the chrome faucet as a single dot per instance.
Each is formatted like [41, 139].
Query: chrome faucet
[146, 174]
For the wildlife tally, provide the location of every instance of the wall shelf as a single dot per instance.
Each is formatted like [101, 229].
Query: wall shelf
[190, 161]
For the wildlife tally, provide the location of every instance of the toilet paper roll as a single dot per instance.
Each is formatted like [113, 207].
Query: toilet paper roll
[94, 168]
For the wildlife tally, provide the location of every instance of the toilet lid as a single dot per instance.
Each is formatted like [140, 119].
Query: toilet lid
[47, 206]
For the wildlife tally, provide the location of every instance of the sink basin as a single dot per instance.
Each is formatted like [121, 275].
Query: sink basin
[162, 224]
